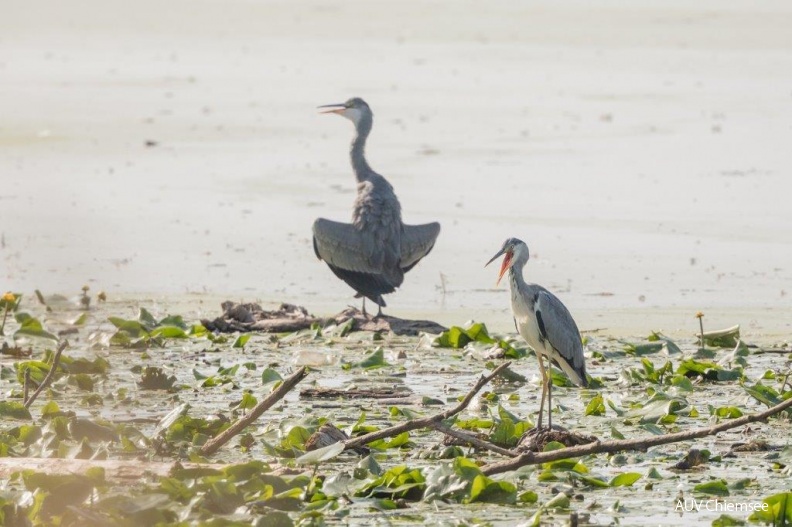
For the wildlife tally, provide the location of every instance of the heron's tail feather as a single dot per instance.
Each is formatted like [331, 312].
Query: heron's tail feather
[372, 286]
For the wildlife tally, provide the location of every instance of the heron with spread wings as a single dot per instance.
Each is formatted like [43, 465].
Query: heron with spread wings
[372, 253]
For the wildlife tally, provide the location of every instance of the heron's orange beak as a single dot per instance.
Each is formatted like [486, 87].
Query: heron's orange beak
[333, 108]
[504, 266]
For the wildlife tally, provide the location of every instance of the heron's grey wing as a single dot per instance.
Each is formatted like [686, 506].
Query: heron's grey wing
[344, 246]
[350, 253]
[416, 242]
[557, 326]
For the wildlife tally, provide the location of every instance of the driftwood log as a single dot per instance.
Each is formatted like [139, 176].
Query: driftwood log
[289, 317]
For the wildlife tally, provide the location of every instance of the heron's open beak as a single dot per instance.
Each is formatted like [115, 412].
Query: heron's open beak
[333, 108]
[504, 266]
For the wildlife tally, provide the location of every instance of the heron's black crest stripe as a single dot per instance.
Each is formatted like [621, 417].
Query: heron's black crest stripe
[542, 330]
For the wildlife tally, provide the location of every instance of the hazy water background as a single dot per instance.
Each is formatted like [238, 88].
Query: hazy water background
[642, 151]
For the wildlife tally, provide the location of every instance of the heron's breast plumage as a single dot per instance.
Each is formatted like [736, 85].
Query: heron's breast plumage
[524, 310]
[377, 215]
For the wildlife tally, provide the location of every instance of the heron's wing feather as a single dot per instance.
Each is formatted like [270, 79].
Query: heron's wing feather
[345, 247]
[416, 242]
[557, 326]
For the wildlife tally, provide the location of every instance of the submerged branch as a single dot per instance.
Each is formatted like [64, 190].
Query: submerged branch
[426, 422]
[214, 444]
[531, 458]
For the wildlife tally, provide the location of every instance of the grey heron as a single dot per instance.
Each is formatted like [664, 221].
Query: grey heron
[544, 322]
[372, 253]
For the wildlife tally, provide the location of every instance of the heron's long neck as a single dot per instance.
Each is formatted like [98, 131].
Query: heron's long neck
[358, 150]
[516, 276]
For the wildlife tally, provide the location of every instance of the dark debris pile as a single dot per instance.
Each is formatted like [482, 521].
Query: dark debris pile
[289, 317]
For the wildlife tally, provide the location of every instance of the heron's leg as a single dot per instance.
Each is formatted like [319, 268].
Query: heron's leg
[540, 358]
[364, 307]
[541, 405]
[379, 311]
[549, 395]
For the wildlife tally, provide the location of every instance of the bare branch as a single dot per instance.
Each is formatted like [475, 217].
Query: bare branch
[599, 447]
[50, 374]
[426, 422]
[473, 440]
[214, 444]
[26, 386]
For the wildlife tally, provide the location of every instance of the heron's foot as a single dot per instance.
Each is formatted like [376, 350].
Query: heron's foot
[535, 439]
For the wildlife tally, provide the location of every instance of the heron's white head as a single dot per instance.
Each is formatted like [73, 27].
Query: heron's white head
[515, 251]
[355, 109]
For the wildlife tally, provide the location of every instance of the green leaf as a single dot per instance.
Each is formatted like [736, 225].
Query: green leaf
[241, 340]
[247, 402]
[395, 442]
[14, 410]
[528, 496]
[709, 371]
[168, 332]
[669, 344]
[723, 338]
[32, 327]
[50, 409]
[596, 406]
[488, 490]
[625, 479]
[559, 501]
[146, 318]
[320, 455]
[638, 349]
[153, 378]
[593, 482]
[764, 394]
[275, 519]
[717, 487]
[724, 520]
[374, 360]
[457, 337]
[174, 320]
[726, 412]
[778, 513]
[269, 375]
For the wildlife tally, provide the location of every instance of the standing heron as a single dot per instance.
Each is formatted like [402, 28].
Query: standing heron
[544, 322]
[373, 252]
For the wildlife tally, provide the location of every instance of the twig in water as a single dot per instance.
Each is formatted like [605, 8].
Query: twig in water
[50, 374]
[214, 444]
[26, 386]
[473, 440]
[531, 458]
[426, 422]
[700, 317]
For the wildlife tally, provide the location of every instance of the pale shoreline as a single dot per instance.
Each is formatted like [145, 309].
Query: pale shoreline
[765, 327]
